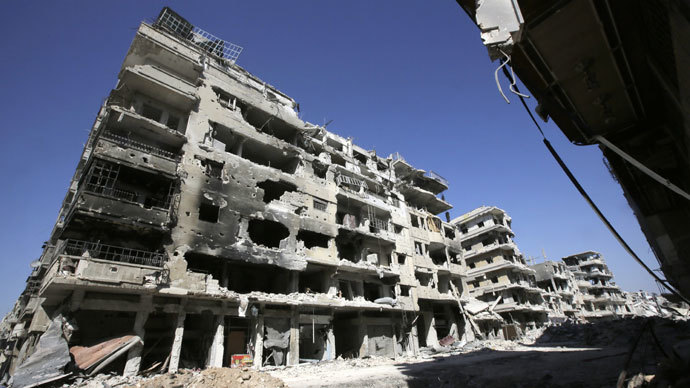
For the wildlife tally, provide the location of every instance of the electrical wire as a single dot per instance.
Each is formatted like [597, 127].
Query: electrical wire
[589, 200]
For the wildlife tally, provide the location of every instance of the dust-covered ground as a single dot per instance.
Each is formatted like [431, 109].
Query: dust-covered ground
[652, 352]
[583, 356]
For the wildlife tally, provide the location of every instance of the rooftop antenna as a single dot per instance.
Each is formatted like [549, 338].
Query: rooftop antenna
[326, 123]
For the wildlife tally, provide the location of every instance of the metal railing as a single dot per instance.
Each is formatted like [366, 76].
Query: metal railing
[139, 146]
[174, 23]
[113, 253]
[435, 176]
[112, 192]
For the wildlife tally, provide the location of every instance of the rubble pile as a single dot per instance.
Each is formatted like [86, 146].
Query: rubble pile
[207, 378]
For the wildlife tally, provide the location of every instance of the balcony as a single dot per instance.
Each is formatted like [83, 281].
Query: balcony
[124, 122]
[102, 264]
[136, 154]
[160, 84]
[421, 198]
[507, 246]
[124, 195]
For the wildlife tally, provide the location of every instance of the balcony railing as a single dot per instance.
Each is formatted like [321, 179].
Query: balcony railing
[435, 176]
[139, 146]
[113, 253]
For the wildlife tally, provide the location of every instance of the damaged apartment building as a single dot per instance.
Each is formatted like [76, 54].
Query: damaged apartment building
[498, 274]
[206, 220]
[598, 297]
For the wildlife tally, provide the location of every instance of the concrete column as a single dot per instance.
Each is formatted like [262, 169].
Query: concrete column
[414, 339]
[217, 350]
[177, 343]
[330, 344]
[258, 332]
[431, 336]
[134, 355]
[293, 352]
[364, 335]
[293, 285]
[453, 323]
[76, 299]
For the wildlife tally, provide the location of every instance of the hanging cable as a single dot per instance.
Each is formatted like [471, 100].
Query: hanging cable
[589, 200]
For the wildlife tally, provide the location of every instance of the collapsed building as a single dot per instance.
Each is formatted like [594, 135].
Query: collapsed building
[209, 220]
[598, 296]
[497, 272]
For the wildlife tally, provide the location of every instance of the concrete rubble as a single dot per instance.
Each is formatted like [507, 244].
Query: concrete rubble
[208, 227]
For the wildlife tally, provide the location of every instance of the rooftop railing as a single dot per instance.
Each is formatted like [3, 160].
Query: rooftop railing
[176, 24]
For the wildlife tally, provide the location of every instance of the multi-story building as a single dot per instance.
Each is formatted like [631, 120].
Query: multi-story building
[599, 297]
[559, 290]
[206, 218]
[496, 270]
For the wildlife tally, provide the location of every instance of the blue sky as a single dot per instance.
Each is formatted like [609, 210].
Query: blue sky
[406, 76]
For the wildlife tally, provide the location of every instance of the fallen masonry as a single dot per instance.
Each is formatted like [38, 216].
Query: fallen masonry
[208, 226]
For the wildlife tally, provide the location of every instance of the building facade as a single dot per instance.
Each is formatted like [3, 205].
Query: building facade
[206, 218]
[598, 296]
[496, 270]
[559, 290]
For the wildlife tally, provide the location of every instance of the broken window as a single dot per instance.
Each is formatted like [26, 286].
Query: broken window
[320, 205]
[401, 258]
[313, 281]
[449, 233]
[212, 168]
[274, 190]
[418, 249]
[320, 170]
[173, 122]
[425, 279]
[360, 157]
[208, 212]
[472, 265]
[151, 112]
[480, 224]
[128, 184]
[267, 233]
[438, 256]
[414, 220]
[372, 291]
[313, 239]
[397, 228]
[404, 290]
[494, 279]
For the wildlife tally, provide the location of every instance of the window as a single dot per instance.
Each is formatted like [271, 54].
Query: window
[472, 265]
[404, 290]
[152, 113]
[320, 205]
[173, 122]
[212, 168]
[401, 259]
[480, 224]
[208, 212]
[494, 279]
[490, 260]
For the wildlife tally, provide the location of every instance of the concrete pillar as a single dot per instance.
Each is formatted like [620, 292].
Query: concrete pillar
[76, 299]
[431, 336]
[293, 285]
[177, 343]
[258, 332]
[293, 352]
[330, 344]
[364, 335]
[134, 355]
[452, 319]
[414, 339]
[217, 349]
